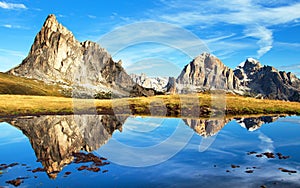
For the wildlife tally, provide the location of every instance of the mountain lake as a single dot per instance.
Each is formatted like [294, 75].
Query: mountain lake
[135, 151]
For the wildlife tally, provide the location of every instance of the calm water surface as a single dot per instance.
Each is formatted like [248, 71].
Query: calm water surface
[151, 152]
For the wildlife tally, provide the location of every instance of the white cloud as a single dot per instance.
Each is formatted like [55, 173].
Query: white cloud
[134, 68]
[152, 40]
[218, 38]
[264, 36]
[12, 6]
[61, 16]
[10, 26]
[288, 45]
[12, 53]
[7, 26]
[272, 3]
[295, 68]
[226, 46]
[92, 16]
[245, 13]
[233, 12]
[266, 143]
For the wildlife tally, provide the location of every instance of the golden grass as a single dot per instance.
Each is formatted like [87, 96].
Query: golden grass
[35, 105]
[248, 105]
[10, 84]
[165, 105]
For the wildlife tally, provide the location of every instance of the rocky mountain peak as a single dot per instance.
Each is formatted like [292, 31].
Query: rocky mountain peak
[205, 54]
[253, 61]
[267, 81]
[56, 57]
[206, 72]
[53, 27]
[51, 22]
[208, 60]
[251, 65]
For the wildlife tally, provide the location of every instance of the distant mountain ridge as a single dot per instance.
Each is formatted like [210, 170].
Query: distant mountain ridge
[268, 82]
[85, 68]
[157, 83]
[206, 72]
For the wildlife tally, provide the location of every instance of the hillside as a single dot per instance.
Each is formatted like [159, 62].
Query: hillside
[57, 57]
[10, 84]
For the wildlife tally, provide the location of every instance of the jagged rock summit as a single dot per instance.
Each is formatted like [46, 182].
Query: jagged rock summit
[56, 57]
[207, 72]
[267, 82]
[53, 52]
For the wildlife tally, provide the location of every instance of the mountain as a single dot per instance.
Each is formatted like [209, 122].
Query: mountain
[156, 83]
[56, 57]
[55, 138]
[85, 70]
[267, 82]
[206, 72]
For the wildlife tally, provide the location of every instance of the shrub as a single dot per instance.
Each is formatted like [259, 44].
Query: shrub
[103, 95]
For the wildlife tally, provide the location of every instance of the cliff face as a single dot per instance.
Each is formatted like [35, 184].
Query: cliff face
[268, 82]
[56, 57]
[206, 72]
[171, 86]
[55, 138]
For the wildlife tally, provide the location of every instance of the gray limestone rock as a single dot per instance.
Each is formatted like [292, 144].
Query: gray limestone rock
[268, 82]
[206, 72]
[56, 57]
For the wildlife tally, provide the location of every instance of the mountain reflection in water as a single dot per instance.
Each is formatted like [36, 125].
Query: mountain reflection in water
[210, 127]
[55, 138]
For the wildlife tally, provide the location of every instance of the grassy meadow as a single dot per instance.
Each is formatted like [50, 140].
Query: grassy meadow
[197, 105]
[10, 84]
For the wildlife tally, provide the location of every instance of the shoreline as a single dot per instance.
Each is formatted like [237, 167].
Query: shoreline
[161, 106]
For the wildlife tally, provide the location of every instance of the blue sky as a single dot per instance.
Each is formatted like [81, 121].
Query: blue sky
[231, 30]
